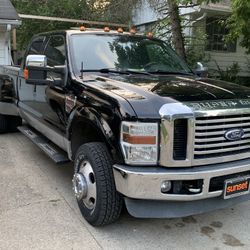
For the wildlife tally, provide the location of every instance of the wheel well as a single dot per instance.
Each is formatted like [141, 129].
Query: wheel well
[83, 132]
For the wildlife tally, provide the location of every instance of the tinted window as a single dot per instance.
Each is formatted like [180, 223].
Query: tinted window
[55, 51]
[36, 46]
[124, 52]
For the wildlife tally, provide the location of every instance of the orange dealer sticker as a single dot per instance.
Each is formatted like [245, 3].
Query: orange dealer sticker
[236, 187]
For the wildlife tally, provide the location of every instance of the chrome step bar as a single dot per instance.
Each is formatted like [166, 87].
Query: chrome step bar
[51, 150]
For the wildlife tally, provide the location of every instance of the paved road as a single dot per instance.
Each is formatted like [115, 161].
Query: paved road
[38, 211]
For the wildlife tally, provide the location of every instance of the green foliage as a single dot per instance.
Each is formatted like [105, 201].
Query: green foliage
[239, 22]
[119, 11]
[195, 48]
[78, 9]
[229, 74]
[94, 10]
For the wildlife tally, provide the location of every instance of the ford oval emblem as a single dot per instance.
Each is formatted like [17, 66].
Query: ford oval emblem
[234, 134]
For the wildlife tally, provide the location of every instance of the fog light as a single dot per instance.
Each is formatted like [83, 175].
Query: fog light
[166, 186]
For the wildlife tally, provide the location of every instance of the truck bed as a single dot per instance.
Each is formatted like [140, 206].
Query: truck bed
[8, 90]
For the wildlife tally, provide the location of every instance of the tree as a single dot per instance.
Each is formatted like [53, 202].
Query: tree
[119, 11]
[170, 15]
[64, 8]
[175, 20]
[239, 22]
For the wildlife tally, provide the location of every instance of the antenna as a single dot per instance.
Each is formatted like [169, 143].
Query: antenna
[81, 70]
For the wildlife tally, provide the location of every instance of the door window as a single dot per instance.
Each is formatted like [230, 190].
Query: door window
[55, 51]
[36, 47]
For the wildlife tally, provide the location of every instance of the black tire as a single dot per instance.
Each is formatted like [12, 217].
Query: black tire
[3, 124]
[13, 123]
[109, 202]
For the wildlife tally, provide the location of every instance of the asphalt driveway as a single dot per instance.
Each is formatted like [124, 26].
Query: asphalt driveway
[38, 211]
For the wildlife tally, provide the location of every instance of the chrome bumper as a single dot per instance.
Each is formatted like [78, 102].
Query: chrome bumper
[145, 182]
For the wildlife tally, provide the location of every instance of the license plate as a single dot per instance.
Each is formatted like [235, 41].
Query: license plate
[236, 187]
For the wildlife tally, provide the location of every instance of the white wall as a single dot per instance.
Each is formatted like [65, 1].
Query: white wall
[4, 45]
[225, 60]
[144, 13]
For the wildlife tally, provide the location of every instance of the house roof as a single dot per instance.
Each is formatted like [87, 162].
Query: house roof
[8, 13]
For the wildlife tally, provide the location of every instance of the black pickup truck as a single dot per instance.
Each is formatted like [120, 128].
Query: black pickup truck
[138, 124]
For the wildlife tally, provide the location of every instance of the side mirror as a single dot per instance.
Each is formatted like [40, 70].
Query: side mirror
[36, 61]
[36, 71]
[201, 70]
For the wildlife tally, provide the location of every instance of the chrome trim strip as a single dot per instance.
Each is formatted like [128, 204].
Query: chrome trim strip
[221, 112]
[223, 159]
[45, 129]
[221, 144]
[145, 182]
[233, 125]
[219, 139]
[214, 151]
[170, 112]
[219, 120]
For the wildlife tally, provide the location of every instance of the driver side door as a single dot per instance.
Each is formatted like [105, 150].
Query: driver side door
[50, 99]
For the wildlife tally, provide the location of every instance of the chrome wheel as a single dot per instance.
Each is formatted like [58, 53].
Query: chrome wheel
[84, 185]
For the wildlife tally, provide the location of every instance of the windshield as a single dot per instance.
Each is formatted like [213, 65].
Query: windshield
[120, 52]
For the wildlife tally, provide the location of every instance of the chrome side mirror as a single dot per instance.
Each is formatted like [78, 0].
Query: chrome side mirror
[36, 61]
[201, 70]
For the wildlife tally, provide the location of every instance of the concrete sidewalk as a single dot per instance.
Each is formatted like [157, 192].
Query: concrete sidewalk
[38, 211]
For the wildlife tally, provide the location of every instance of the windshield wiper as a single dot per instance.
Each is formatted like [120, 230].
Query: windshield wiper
[137, 72]
[105, 70]
[162, 72]
[115, 71]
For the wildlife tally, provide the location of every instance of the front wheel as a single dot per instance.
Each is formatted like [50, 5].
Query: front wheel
[94, 185]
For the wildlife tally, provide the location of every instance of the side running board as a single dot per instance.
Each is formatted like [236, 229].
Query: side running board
[56, 154]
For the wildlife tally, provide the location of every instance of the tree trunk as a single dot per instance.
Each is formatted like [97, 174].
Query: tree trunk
[176, 28]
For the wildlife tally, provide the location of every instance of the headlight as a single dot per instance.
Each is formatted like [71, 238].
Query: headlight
[139, 143]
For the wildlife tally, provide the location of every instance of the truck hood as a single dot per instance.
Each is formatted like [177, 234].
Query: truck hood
[147, 94]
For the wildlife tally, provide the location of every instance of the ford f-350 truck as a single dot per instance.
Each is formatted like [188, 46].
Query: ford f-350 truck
[138, 124]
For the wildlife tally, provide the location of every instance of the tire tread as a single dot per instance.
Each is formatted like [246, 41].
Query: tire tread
[111, 200]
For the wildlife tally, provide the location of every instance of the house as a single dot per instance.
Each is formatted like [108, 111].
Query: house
[9, 20]
[207, 19]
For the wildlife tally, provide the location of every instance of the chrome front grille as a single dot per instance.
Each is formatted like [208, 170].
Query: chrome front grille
[205, 140]
[210, 141]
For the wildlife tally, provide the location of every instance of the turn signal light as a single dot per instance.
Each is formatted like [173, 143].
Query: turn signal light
[150, 35]
[133, 30]
[82, 28]
[139, 143]
[26, 74]
[120, 30]
[106, 29]
[139, 139]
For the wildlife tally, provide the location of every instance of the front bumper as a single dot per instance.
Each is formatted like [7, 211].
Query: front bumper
[175, 209]
[145, 182]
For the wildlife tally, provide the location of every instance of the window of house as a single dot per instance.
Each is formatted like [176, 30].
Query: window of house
[216, 32]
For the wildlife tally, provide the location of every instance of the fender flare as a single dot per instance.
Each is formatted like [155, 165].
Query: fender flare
[91, 117]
